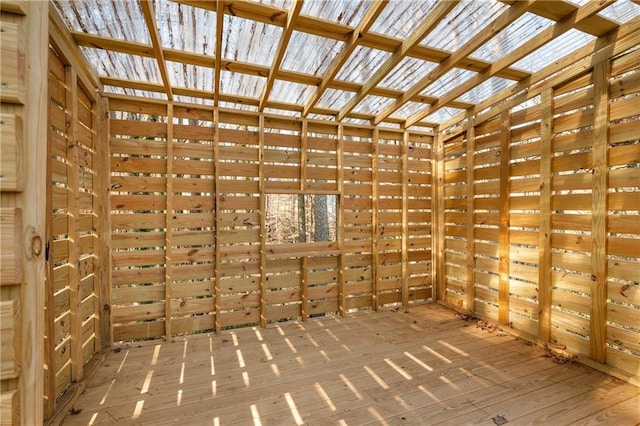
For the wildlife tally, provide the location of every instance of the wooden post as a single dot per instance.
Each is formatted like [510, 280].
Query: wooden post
[544, 249]
[375, 256]
[168, 249]
[263, 226]
[303, 156]
[471, 261]
[218, 220]
[505, 189]
[73, 214]
[405, 214]
[304, 288]
[342, 301]
[50, 316]
[598, 317]
[437, 218]
[32, 201]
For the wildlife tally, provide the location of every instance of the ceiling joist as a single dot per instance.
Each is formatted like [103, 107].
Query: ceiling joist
[424, 28]
[454, 60]
[355, 25]
[150, 20]
[292, 17]
[361, 30]
[564, 25]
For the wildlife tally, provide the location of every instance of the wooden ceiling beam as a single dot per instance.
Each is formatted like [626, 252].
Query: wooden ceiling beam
[564, 25]
[454, 60]
[240, 100]
[425, 27]
[219, 9]
[275, 16]
[140, 49]
[607, 46]
[363, 27]
[292, 17]
[150, 20]
[595, 25]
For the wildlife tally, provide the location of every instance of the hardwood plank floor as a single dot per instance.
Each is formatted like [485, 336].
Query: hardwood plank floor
[423, 366]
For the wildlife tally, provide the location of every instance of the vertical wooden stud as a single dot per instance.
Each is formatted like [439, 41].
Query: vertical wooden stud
[263, 226]
[50, 343]
[303, 156]
[598, 317]
[103, 182]
[73, 214]
[168, 250]
[503, 248]
[471, 261]
[544, 249]
[216, 159]
[404, 256]
[342, 298]
[437, 222]
[32, 201]
[304, 288]
[375, 256]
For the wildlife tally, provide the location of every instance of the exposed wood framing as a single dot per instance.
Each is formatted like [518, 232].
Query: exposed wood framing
[263, 226]
[360, 31]
[545, 285]
[412, 40]
[217, 65]
[73, 213]
[470, 290]
[375, 255]
[304, 288]
[599, 294]
[218, 220]
[458, 56]
[292, 17]
[404, 259]
[342, 298]
[437, 220]
[568, 22]
[608, 45]
[150, 19]
[505, 190]
[303, 155]
[168, 247]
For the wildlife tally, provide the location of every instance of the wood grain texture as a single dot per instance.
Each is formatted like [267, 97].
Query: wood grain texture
[12, 247]
[324, 371]
[12, 152]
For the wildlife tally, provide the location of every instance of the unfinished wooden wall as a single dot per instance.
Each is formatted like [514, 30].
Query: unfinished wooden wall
[23, 40]
[540, 214]
[188, 186]
[72, 332]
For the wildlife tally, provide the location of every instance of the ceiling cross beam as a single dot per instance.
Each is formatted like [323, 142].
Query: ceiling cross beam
[332, 30]
[292, 18]
[424, 28]
[217, 64]
[454, 60]
[561, 27]
[150, 20]
[363, 27]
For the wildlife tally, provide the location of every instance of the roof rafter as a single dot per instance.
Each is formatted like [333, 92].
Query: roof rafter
[595, 25]
[292, 18]
[607, 45]
[454, 60]
[197, 59]
[425, 27]
[150, 19]
[363, 27]
[562, 26]
[275, 16]
[217, 64]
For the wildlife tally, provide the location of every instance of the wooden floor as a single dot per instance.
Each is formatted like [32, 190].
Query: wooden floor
[421, 367]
